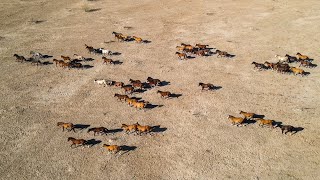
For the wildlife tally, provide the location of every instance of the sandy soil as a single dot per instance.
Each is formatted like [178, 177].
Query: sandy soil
[199, 141]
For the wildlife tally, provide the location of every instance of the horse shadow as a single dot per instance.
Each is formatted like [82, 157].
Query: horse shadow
[260, 116]
[146, 41]
[214, 88]
[158, 129]
[93, 142]
[129, 39]
[93, 10]
[81, 126]
[46, 63]
[140, 90]
[164, 83]
[152, 106]
[306, 73]
[173, 95]
[276, 123]
[114, 130]
[88, 59]
[37, 21]
[76, 60]
[297, 129]
[46, 56]
[117, 62]
[146, 85]
[115, 54]
[230, 55]
[30, 59]
[87, 66]
[313, 66]
[249, 121]
[128, 148]
[137, 98]
[190, 57]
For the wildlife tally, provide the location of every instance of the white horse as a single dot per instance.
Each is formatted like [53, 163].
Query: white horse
[105, 51]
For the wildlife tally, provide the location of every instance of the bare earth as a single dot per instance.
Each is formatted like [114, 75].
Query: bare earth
[199, 142]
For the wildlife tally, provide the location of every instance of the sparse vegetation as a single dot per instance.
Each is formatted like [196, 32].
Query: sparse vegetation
[202, 141]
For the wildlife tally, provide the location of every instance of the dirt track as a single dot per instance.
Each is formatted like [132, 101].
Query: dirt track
[199, 141]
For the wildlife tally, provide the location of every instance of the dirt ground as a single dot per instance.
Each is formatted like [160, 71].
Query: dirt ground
[197, 140]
